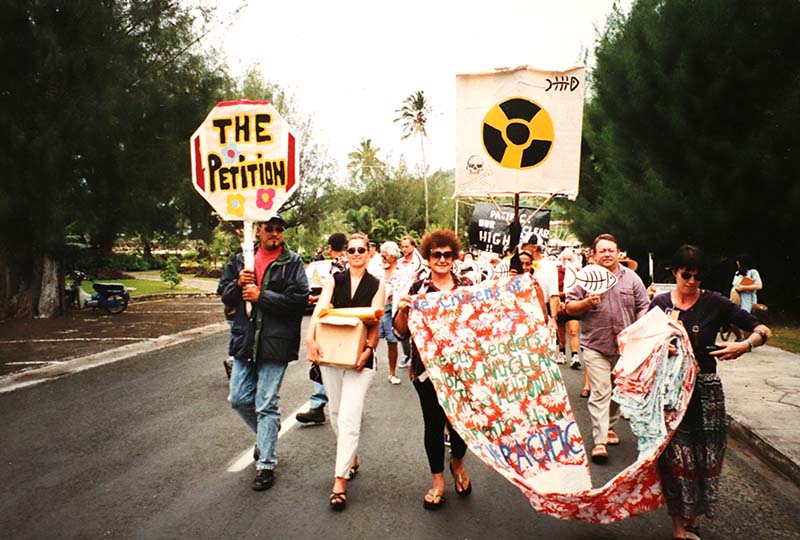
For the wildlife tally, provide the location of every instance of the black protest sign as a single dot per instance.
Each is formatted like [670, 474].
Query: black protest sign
[489, 228]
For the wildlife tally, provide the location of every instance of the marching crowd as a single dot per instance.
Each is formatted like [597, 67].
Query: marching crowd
[268, 304]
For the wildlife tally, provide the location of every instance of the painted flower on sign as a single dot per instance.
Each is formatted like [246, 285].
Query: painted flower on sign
[230, 153]
[265, 198]
[236, 205]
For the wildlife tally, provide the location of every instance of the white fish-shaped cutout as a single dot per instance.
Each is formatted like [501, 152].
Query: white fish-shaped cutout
[592, 277]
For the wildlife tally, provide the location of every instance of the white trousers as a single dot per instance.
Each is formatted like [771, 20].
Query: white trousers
[347, 390]
[604, 411]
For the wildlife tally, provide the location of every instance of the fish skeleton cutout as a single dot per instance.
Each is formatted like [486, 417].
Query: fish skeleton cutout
[592, 277]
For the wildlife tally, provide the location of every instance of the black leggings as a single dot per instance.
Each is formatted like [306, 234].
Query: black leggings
[435, 422]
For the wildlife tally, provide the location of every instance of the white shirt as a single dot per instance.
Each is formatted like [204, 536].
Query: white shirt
[546, 273]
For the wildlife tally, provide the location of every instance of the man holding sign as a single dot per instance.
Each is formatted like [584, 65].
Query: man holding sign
[604, 313]
[263, 343]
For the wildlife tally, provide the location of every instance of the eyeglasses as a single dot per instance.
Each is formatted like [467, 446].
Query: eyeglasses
[688, 275]
[352, 251]
[277, 229]
[442, 255]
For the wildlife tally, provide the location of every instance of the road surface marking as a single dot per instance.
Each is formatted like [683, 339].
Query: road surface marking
[58, 340]
[246, 458]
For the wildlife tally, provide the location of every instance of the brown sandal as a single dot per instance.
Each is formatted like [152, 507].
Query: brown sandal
[338, 500]
[585, 393]
[599, 454]
[612, 438]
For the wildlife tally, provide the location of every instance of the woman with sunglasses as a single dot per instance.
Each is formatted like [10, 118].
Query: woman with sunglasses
[346, 387]
[439, 248]
[690, 466]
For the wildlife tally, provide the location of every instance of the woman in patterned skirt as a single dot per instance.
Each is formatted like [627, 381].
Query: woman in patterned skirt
[690, 466]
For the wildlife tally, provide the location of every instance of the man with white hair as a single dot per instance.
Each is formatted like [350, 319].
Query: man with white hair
[390, 253]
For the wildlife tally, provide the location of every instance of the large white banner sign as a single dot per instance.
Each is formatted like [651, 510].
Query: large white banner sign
[519, 131]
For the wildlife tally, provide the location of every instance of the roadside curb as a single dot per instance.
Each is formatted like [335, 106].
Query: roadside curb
[52, 372]
[165, 295]
[764, 449]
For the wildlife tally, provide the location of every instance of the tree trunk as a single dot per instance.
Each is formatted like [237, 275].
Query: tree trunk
[50, 294]
[30, 285]
[425, 180]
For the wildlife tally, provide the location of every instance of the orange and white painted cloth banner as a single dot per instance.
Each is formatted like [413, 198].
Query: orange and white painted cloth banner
[486, 351]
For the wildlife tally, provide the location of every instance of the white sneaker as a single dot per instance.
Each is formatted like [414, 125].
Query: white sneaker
[561, 358]
[576, 363]
[393, 379]
[404, 362]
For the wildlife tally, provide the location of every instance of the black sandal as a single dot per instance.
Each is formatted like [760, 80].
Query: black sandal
[694, 530]
[338, 500]
[353, 471]
[459, 481]
[431, 505]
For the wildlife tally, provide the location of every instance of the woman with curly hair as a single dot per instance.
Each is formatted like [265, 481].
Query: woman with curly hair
[439, 249]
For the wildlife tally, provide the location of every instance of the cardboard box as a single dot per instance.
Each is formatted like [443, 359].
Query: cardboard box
[341, 339]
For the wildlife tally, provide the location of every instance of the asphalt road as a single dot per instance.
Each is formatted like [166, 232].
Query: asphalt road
[148, 447]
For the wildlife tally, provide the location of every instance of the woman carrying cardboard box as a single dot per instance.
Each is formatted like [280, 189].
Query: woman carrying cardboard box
[347, 386]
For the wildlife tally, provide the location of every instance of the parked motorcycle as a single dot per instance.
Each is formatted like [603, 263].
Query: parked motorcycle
[112, 297]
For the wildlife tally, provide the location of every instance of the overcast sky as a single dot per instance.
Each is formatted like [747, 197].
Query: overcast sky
[351, 63]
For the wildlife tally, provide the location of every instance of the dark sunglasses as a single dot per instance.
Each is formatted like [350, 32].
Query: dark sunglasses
[277, 229]
[442, 255]
[688, 275]
[352, 251]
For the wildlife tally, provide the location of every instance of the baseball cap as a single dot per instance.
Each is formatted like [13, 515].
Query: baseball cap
[276, 218]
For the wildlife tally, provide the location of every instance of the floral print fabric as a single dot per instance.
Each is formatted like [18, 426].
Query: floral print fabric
[487, 352]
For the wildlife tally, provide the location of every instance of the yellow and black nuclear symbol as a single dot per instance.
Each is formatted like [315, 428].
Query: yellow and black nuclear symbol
[518, 133]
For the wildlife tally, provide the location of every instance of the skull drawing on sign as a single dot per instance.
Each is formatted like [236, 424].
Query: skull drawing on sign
[474, 164]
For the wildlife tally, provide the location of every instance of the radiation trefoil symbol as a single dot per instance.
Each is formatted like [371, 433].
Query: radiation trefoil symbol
[518, 133]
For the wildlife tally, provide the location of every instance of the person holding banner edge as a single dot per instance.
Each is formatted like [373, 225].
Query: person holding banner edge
[264, 342]
[602, 318]
[440, 248]
[691, 464]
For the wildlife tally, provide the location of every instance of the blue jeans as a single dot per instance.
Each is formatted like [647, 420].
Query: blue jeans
[319, 398]
[254, 395]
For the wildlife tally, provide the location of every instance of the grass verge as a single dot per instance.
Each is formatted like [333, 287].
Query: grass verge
[786, 336]
[145, 286]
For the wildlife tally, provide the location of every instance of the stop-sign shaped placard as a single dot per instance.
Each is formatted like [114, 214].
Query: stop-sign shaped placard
[244, 160]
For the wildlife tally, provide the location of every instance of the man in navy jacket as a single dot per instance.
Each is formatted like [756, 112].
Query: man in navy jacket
[265, 341]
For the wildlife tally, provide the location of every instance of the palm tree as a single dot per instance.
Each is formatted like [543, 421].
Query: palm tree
[364, 163]
[414, 115]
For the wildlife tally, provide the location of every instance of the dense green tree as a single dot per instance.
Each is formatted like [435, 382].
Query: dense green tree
[360, 219]
[414, 118]
[689, 135]
[385, 230]
[97, 101]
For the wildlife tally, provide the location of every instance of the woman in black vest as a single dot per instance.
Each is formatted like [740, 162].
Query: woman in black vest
[347, 387]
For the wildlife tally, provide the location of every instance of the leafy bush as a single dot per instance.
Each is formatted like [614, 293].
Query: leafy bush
[170, 272]
[88, 260]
